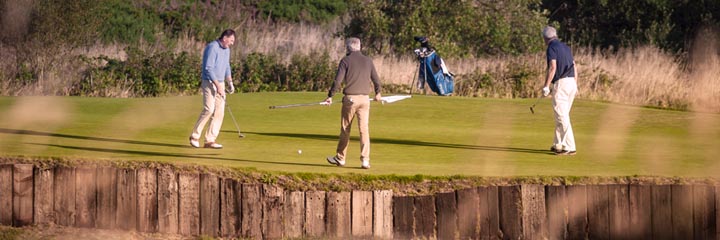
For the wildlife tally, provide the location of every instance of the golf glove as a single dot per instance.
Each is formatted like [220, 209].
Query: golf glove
[232, 89]
[546, 91]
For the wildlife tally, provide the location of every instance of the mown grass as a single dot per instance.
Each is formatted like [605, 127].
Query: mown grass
[417, 138]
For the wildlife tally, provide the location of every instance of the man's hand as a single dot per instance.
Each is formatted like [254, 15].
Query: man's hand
[328, 101]
[232, 88]
[378, 97]
[546, 91]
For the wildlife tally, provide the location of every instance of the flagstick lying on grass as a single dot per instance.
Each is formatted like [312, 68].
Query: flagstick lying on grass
[388, 99]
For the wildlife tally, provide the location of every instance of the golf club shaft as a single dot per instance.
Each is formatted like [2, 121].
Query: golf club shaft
[297, 105]
[234, 121]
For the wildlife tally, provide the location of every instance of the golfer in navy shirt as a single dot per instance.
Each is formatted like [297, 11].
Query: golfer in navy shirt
[561, 73]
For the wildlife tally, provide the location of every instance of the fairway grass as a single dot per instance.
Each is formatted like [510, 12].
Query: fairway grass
[428, 135]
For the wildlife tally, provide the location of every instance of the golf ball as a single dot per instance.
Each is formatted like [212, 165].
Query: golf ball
[299, 151]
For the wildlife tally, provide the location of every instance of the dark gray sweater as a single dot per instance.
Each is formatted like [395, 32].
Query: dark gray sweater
[358, 72]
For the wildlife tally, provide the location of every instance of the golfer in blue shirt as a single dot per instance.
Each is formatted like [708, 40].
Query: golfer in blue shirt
[561, 73]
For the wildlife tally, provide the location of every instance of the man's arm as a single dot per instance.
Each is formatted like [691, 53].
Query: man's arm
[210, 62]
[376, 83]
[552, 67]
[339, 77]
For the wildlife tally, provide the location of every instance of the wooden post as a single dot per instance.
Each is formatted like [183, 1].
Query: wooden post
[557, 208]
[489, 212]
[315, 214]
[682, 211]
[127, 199]
[251, 211]
[147, 186]
[662, 227]
[64, 196]
[447, 211]
[85, 197]
[294, 221]
[382, 214]
[168, 201]
[403, 212]
[338, 215]
[209, 205]
[106, 197]
[511, 212]
[640, 211]
[44, 187]
[468, 210]
[619, 212]
[362, 209]
[598, 212]
[273, 204]
[704, 212]
[22, 194]
[230, 202]
[533, 212]
[189, 203]
[6, 185]
[577, 211]
[425, 218]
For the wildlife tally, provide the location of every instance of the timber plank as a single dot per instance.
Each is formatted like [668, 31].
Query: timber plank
[662, 227]
[468, 210]
[598, 212]
[127, 199]
[577, 211]
[44, 187]
[640, 212]
[294, 221]
[106, 197]
[251, 212]
[557, 208]
[403, 208]
[315, 213]
[704, 212]
[209, 205]
[6, 185]
[490, 217]
[230, 202]
[64, 196]
[362, 210]
[189, 203]
[168, 201]
[338, 215]
[533, 211]
[85, 197]
[273, 205]
[511, 212]
[682, 211]
[619, 210]
[22, 194]
[425, 218]
[447, 211]
[147, 185]
[382, 214]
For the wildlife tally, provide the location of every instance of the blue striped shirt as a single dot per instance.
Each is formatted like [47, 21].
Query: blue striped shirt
[216, 62]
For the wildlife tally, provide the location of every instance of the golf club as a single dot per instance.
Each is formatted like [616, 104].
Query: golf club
[388, 99]
[532, 109]
[233, 116]
[298, 105]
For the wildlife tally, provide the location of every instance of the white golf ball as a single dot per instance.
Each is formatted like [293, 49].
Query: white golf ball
[299, 151]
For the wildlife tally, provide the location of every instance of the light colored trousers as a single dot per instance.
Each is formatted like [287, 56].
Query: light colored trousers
[354, 105]
[564, 95]
[213, 110]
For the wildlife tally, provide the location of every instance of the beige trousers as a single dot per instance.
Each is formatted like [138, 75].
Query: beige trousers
[563, 97]
[213, 110]
[354, 105]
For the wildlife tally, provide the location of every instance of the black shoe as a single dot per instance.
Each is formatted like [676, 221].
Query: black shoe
[564, 152]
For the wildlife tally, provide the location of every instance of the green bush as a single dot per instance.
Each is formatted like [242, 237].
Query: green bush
[127, 23]
[313, 11]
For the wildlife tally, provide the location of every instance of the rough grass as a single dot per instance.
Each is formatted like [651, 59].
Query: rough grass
[425, 135]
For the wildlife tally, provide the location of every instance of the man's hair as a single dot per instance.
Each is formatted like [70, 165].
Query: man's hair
[227, 33]
[549, 33]
[352, 44]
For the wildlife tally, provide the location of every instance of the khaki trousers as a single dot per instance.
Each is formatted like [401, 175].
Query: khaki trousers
[563, 97]
[213, 110]
[354, 105]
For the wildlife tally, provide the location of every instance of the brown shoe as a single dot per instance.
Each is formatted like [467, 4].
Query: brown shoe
[213, 145]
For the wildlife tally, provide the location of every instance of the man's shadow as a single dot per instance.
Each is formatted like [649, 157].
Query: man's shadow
[60, 135]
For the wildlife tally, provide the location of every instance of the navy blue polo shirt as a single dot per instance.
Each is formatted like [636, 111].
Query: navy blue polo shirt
[562, 55]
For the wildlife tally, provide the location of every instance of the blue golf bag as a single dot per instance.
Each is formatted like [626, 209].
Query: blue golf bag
[430, 72]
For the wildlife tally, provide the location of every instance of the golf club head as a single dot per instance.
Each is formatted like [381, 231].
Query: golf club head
[531, 110]
[241, 135]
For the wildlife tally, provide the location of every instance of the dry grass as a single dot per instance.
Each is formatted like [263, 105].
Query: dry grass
[640, 76]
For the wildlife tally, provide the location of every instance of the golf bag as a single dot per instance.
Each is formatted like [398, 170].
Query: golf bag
[432, 70]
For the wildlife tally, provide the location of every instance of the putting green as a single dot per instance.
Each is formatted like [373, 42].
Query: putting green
[423, 135]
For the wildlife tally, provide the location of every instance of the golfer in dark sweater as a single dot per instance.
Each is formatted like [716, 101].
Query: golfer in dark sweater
[358, 73]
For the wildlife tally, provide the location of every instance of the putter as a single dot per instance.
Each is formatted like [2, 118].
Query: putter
[532, 109]
[298, 105]
[233, 116]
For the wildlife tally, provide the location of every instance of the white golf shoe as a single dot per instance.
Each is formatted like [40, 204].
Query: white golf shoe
[334, 160]
[365, 164]
[194, 142]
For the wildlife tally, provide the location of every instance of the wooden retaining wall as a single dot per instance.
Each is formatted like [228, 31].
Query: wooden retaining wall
[160, 200]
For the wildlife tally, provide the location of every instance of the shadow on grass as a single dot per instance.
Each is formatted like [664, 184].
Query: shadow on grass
[407, 142]
[176, 155]
[47, 134]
